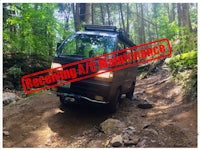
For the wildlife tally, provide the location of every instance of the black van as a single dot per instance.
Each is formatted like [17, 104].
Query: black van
[104, 88]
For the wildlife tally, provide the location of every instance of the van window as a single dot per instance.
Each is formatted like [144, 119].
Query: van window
[87, 45]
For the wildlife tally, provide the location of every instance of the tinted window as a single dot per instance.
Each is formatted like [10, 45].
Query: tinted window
[87, 45]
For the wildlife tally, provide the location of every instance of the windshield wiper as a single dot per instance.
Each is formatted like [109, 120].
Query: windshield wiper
[74, 55]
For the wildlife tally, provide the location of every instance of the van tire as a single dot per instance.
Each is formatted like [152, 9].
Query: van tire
[129, 94]
[114, 104]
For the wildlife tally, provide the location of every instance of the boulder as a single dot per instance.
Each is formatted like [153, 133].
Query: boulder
[111, 126]
[9, 98]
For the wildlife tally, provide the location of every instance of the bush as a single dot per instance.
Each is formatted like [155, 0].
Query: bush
[184, 61]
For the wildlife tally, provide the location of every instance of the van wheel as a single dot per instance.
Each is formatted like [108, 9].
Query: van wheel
[114, 104]
[131, 91]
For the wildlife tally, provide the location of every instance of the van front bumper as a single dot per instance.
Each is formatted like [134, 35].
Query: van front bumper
[70, 97]
[89, 90]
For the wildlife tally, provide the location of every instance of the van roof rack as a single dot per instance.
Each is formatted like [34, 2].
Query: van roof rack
[100, 28]
[123, 36]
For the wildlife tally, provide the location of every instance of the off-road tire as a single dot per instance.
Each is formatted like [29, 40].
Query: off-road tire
[114, 103]
[129, 94]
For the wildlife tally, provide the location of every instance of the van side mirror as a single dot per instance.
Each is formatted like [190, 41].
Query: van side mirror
[58, 44]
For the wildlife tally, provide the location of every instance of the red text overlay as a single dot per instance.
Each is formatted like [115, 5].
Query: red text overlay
[92, 67]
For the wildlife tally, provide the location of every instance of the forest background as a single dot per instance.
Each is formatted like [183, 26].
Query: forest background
[31, 31]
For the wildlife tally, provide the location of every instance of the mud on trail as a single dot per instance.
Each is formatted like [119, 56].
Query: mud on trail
[38, 121]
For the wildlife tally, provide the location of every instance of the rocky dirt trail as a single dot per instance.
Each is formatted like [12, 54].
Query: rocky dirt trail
[172, 122]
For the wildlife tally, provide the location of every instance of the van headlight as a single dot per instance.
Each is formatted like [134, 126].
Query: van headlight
[56, 65]
[107, 76]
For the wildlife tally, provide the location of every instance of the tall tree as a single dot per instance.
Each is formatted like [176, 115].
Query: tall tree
[173, 13]
[186, 16]
[155, 15]
[149, 26]
[84, 12]
[137, 23]
[92, 12]
[142, 29]
[167, 7]
[122, 16]
[108, 12]
[127, 18]
[102, 14]
[76, 14]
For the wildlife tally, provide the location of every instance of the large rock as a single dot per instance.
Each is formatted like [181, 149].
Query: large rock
[9, 98]
[116, 141]
[129, 136]
[111, 126]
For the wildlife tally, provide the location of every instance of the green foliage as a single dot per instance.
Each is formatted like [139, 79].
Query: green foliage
[31, 29]
[15, 71]
[186, 42]
[184, 61]
[165, 28]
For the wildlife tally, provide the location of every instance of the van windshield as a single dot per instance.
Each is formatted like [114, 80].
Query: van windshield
[85, 45]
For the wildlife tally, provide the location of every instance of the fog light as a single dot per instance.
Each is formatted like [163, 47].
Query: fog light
[100, 98]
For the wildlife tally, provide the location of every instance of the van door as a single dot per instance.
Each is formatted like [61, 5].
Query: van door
[123, 73]
[131, 72]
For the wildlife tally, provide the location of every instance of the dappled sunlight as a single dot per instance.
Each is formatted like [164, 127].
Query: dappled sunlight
[166, 122]
[51, 112]
[40, 135]
[158, 109]
[154, 113]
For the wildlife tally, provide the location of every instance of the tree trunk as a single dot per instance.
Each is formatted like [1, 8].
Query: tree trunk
[179, 11]
[155, 6]
[108, 12]
[167, 7]
[148, 26]
[137, 25]
[102, 14]
[173, 13]
[85, 12]
[68, 7]
[155, 15]
[76, 15]
[127, 19]
[122, 16]
[186, 16]
[142, 29]
[92, 9]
